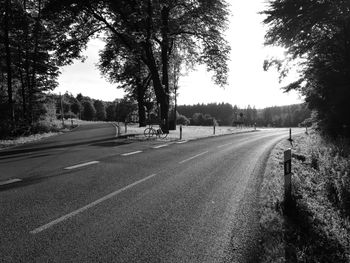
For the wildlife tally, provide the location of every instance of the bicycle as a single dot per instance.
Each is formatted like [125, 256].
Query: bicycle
[150, 132]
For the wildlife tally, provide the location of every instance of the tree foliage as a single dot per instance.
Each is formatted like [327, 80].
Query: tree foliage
[27, 67]
[317, 33]
[148, 31]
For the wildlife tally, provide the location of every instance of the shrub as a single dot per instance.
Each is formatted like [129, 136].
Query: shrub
[183, 120]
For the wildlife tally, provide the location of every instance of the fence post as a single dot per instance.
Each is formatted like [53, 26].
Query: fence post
[214, 129]
[287, 177]
[290, 134]
[180, 132]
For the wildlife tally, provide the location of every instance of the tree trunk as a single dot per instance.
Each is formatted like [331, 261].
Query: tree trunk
[140, 94]
[35, 58]
[142, 113]
[162, 97]
[23, 85]
[165, 65]
[8, 62]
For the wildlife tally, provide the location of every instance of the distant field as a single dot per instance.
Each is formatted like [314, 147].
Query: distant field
[192, 132]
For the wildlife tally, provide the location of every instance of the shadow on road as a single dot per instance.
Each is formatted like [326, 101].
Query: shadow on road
[106, 142]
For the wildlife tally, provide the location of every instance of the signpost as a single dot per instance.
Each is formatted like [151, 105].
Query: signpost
[287, 176]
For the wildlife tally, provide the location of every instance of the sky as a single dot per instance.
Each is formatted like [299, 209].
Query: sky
[248, 83]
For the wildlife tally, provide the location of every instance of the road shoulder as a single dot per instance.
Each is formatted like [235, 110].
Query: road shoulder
[311, 230]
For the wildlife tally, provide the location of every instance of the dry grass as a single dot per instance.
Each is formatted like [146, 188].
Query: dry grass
[25, 139]
[44, 130]
[317, 227]
[190, 132]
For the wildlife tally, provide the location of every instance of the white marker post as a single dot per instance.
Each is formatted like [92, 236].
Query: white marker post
[180, 132]
[287, 176]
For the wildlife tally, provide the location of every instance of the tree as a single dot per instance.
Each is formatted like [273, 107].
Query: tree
[89, 111]
[128, 72]
[317, 33]
[111, 112]
[100, 110]
[149, 29]
[124, 108]
[27, 66]
[76, 108]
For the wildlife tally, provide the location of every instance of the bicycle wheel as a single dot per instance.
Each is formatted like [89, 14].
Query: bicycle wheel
[161, 134]
[149, 132]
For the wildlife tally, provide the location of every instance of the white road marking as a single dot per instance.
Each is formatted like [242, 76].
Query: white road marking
[181, 142]
[224, 145]
[80, 165]
[127, 154]
[82, 209]
[10, 181]
[160, 146]
[193, 157]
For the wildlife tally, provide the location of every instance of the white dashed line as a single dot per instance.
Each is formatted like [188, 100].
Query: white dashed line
[127, 154]
[192, 157]
[160, 146]
[224, 145]
[10, 181]
[81, 165]
[82, 209]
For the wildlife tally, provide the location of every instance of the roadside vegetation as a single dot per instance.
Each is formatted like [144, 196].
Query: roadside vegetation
[317, 226]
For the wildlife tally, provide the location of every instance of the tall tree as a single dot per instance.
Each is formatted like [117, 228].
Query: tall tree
[317, 33]
[27, 44]
[128, 71]
[149, 28]
[6, 32]
[100, 110]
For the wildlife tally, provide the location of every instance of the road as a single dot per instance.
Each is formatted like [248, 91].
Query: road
[86, 196]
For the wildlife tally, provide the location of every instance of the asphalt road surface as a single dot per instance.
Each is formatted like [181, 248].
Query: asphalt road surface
[86, 196]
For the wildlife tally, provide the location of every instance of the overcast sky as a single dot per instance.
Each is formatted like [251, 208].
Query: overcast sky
[248, 84]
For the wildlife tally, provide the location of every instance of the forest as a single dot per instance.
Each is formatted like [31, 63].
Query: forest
[228, 115]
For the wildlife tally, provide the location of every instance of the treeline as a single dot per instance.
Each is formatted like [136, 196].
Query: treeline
[83, 107]
[226, 114]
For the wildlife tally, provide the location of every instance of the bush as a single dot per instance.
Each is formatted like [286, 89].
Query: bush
[334, 167]
[182, 120]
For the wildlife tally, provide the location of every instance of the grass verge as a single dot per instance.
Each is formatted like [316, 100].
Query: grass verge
[43, 129]
[316, 228]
